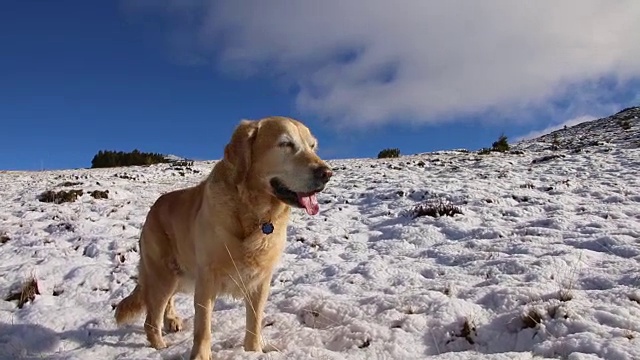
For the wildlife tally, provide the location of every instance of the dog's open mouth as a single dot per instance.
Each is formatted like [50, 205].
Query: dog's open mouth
[307, 201]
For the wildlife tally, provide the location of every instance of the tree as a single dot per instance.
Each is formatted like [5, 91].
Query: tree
[389, 153]
[501, 144]
[108, 158]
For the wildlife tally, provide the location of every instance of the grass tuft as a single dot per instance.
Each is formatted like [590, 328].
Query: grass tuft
[25, 294]
[60, 197]
[436, 209]
[531, 319]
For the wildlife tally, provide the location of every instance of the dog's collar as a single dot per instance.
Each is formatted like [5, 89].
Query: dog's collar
[267, 227]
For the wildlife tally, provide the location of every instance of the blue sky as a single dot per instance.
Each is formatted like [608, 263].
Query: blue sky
[80, 76]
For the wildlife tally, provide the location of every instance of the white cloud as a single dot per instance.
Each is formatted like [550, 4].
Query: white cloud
[375, 60]
[554, 127]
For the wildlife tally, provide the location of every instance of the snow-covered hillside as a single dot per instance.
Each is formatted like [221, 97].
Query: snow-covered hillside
[543, 261]
[621, 129]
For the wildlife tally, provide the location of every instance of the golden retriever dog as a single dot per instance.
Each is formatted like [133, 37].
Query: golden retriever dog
[225, 235]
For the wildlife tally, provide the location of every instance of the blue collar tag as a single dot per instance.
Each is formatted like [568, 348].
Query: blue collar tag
[267, 228]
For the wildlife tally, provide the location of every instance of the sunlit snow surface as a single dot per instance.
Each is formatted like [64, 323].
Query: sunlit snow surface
[544, 261]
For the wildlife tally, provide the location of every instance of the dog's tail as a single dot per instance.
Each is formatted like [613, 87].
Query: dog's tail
[130, 307]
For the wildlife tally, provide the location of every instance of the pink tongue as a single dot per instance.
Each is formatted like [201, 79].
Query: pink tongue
[310, 203]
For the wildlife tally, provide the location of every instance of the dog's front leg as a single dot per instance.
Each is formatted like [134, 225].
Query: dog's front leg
[203, 300]
[255, 304]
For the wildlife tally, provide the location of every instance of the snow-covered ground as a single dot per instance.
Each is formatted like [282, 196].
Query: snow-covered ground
[544, 261]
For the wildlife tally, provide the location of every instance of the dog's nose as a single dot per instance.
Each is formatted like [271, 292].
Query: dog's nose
[323, 173]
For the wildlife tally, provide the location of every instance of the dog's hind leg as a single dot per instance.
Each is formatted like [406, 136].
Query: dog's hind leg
[172, 321]
[157, 298]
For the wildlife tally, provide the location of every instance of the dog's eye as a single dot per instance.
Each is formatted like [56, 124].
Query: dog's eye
[287, 144]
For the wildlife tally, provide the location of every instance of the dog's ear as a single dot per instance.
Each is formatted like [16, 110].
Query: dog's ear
[238, 150]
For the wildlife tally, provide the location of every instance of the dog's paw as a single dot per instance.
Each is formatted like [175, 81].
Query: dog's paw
[158, 344]
[261, 348]
[173, 324]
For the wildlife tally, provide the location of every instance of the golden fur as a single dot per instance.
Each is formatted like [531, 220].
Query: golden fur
[208, 239]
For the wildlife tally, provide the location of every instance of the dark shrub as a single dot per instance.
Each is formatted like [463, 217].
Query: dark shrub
[183, 163]
[625, 124]
[501, 144]
[107, 158]
[389, 153]
[100, 194]
[60, 197]
[436, 209]
[70, 183]
[546, 158]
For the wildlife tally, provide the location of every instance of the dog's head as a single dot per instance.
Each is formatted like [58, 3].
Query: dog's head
[277, 155]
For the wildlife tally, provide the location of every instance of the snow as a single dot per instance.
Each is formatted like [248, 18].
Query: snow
[542, 262]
